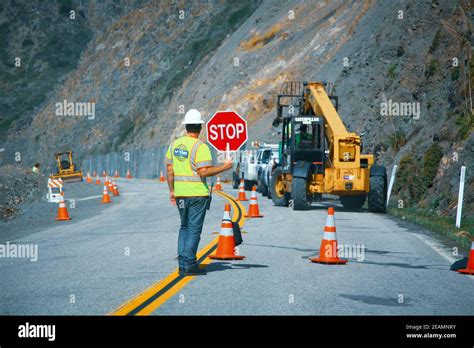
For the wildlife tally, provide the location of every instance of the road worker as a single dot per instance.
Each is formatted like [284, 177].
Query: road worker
[303, 139]
[189, 162]
[36, 168]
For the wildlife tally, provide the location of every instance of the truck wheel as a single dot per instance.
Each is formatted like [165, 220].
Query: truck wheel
[352, 202]
[299, 194]
[235, 181]
[259, 185]
[248, 184]
[264, 190]
[377, 194]
[279, 195]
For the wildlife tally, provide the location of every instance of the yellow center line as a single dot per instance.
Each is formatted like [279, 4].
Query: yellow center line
[157, 294]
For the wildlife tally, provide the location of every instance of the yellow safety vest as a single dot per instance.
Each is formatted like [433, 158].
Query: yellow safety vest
[187, 155]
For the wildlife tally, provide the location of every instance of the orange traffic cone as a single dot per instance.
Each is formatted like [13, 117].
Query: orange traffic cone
[104, 174]
[226, 243]
[97, 180]
[328, 249]
[105, 196]
[62, 210]
[107, 183]
[241, 196]
[128, 176]
[253, 211]
[115, 190]
[116, 174]
[162, 177]
[88, 178]
[94, 174]
[470, 262]
[218, 185]
[111, 186]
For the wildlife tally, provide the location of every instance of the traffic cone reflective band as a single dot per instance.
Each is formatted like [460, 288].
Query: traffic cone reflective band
[88, 178]
[241, 196]
[97, 180]
[470, 262]
[116, 174]
[115, 190]
[253, 211]
[105, 196]
[218, 185]
[328, 249]
[111, 187]
[128, 176]
[62, 210]
[162, 177]
[226, 243]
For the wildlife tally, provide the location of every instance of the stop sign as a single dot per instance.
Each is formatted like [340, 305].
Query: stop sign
[227, 128]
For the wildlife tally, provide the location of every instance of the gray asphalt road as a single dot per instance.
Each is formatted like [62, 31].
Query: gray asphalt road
[393, 268]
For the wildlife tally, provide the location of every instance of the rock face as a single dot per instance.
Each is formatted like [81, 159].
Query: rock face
[129, 70]
[18, 186]
[144, 65]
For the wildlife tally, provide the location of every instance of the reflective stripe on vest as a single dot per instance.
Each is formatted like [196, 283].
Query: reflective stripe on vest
[187, 178]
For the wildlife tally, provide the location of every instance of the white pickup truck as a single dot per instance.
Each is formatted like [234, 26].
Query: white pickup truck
[268, 161]
[251, 165]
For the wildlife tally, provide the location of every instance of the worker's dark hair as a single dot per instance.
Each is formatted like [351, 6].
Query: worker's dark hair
[37, 165]
[193, 128]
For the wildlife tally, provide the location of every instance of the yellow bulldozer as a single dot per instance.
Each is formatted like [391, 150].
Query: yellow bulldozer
[319, 156]
[66, 169]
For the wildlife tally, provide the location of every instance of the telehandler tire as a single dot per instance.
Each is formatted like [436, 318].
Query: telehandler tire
[279, 195]
[352, 202]
[299, 194]
[377, 194]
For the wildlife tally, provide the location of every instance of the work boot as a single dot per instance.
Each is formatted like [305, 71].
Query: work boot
[195, 271]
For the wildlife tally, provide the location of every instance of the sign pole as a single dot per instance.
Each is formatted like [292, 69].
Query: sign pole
[460, 196]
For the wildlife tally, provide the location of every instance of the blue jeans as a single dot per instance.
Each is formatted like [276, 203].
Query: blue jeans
[192, 211]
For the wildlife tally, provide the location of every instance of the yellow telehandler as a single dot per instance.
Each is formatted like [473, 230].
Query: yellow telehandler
[317, 155]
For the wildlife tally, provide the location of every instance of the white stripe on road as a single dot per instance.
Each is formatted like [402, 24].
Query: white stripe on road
[99, 196]
[435, 245]
[438, 248]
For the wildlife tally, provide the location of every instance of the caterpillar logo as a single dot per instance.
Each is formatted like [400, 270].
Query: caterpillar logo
[307, 120]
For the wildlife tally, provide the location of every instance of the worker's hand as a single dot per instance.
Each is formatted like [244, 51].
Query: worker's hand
[228, 163]
[172, 198]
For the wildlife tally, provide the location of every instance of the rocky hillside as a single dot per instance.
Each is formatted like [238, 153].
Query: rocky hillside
[143, 65]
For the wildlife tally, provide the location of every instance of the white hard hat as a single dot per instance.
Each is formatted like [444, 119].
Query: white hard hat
[193, 116]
